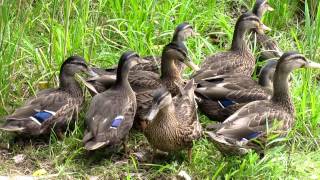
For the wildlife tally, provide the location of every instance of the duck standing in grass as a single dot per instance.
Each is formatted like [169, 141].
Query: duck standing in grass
[107, 78]
[255, 121]
[228, 93]
[52, 108]
[173, 123]
[239, 59]
[111, 113]
[270, 48]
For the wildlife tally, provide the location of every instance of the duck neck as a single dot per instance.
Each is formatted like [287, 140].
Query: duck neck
[122, 77]
[257, 11]
[281, 93]
[166, 113]
[177, 37]
[168, 68]
[70, 85]
[238, 41]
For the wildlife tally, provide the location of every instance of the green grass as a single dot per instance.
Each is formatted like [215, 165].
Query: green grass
[36, 36]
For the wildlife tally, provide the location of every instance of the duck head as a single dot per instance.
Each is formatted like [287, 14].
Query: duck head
[249, 21]
[126, 62]
[175, 51]
[266, 74]
[292, 60]
[74, 65]
[261, 7]
[161, 99]
[183, 31]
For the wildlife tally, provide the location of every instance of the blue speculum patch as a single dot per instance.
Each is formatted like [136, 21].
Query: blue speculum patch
[42, 116]
[251, 136]
[117, 122]
[224, 103]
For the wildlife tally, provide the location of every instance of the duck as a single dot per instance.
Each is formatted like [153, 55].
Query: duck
[239, 59]
[247, 129]
[51, 109]
[270, 48]
[145, 83]
[111, 113]
[222, 95]
[107, 77]
[173, 123]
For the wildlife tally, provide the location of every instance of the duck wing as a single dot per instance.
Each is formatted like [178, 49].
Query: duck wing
[40, 110]
[109, 119]
[252, 120]
[222, 63]
[235, 87]
[144, 80]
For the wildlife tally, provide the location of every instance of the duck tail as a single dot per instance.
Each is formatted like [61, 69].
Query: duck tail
[94, 145]
[226, 145]
[10, 127]
[91, 144]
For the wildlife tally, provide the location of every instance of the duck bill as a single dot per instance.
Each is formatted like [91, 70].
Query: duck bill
[192, 65]
[152, 114]
[263, 28]
[269, 8]
[312, 64]
[91, 73]
[142, 61]
[195, 33]
[87, 84]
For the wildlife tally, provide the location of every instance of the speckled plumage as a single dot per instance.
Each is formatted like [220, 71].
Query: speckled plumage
[254, 121]
[119, 102]
[64, 102]
[239, 59]
[237, 88]
[176, 125]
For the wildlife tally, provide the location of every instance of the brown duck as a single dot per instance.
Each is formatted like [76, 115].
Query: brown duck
[248, 128]
[111, 113]
[222, 95]
[52, 108]
[239, 59]
[173, 122]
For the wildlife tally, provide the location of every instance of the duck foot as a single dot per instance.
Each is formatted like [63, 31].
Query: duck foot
[190, 155]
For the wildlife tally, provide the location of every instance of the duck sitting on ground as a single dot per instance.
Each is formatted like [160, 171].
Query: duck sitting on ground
[249, 127]
[51, 108]
[111, 113]
[222, 95]
[173, 122]
[107, 77]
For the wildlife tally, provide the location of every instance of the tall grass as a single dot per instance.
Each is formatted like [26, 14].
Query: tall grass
[36, 36]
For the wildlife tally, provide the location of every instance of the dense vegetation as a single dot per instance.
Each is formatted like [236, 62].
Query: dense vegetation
[37, 35]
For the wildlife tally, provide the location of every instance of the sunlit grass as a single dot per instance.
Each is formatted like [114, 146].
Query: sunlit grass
[36, 36]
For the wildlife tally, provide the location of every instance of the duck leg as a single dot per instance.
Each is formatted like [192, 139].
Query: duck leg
[154, 152]
[190, 155]
[125, 146]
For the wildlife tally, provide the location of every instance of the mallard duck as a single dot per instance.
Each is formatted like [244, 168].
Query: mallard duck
[144, 83]
[239, 58]
[51, 108]
[107, 76]
[253, 122]
[111, 113]
[270, 48]
[173, 122]
[222, 95]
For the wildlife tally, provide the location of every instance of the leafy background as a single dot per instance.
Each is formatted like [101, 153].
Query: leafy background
[37, 35]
